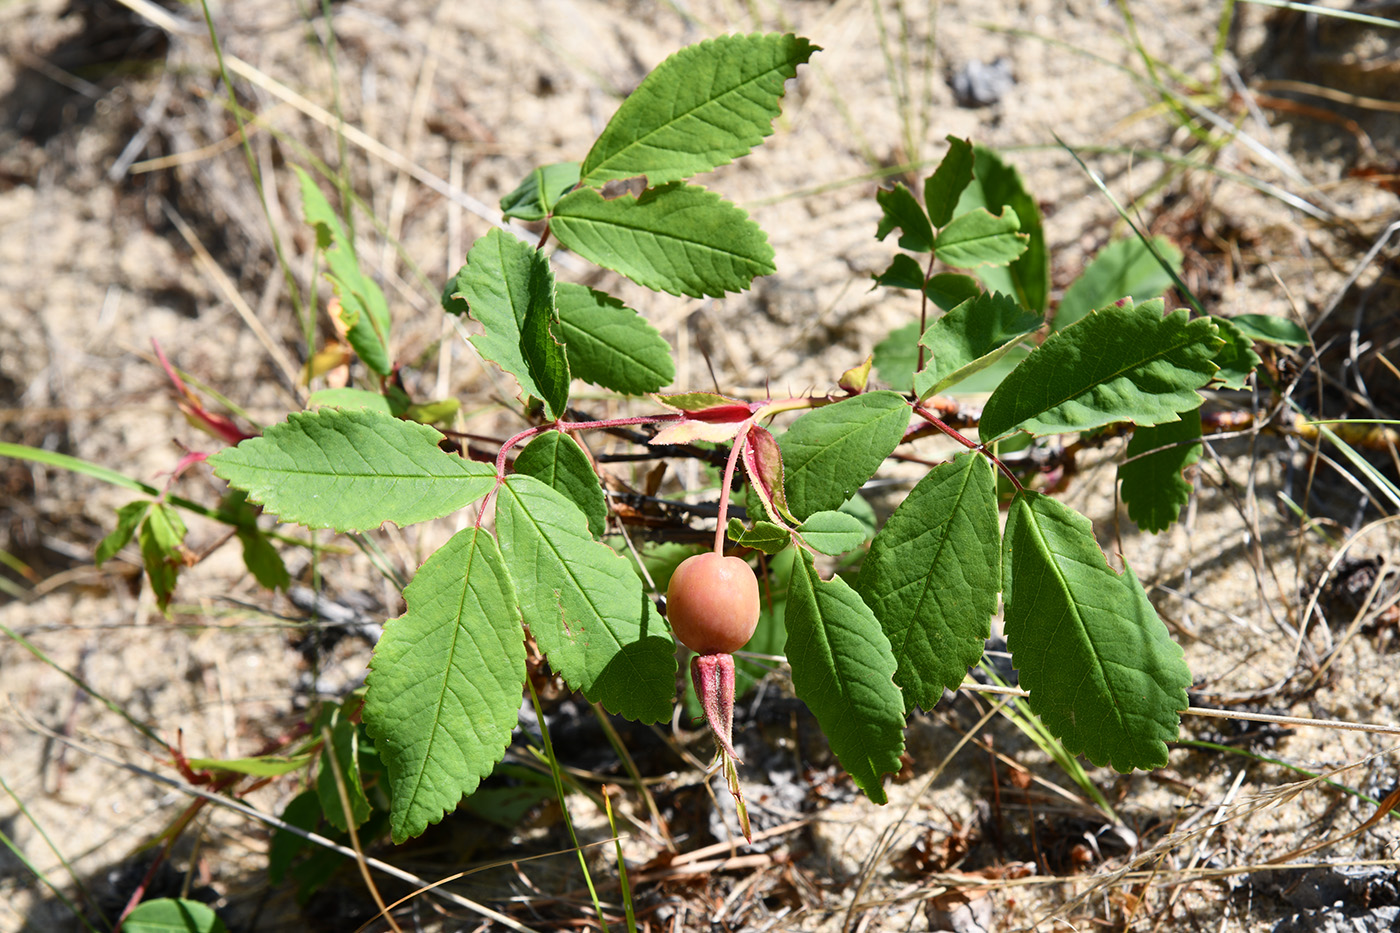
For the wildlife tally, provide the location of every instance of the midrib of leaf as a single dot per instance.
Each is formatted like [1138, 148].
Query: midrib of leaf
[442, 693]
[619, 349]
[577, 584]
[711, 100]
[928, 577]
[654, 235]
[1142, 361]
[1077, 617]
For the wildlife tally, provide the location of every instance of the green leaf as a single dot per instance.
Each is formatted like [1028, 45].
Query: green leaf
[1068, 613]
[260, 766]
[897, 355]
[508, 286]
[262, 559]
[444, 686]
[903, 212]
[677, 238]
[362, 304]
[555, 459]
[173, 915]
[1153, 486]
[948, 289]
[1126, 267]
[830, 452]
[763, 536]
[703, 107]
[584, 604]
[303, 812]
[932, 577]
[971, 337]
[947, 183]
[980, 238]
[904, 272]
[611, 345]
[1236, 358]
[129, 518]
[833, 532]
[1124, 362]
[345, 746]
[842, 668]
[536, 196]
[1269, 328]
[352, 470]
[161, 537]
[997, 184]
[350, 398]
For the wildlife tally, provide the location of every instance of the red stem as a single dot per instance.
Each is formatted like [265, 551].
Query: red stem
[934, 420]
[741, 440]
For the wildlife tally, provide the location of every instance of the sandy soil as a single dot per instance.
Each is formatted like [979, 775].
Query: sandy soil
[127, 215]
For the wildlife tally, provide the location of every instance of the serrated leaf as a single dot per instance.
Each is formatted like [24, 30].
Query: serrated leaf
[832, 532]
[345, 746]
[584, 604]
[1124, 362]
[945, 186]
[904, 272]
[556, 460]
[1270, 328]
[763, 536]
[1068, 613]
[129, 518]
[350, 398]
[362, 304]
[352, 471]
[1236, 358]
[173, 915]
[161, 537]
[901, 211]
[842, 668]
[262, 559]
[981, 238]
[611, 345]
[444, 686]
[932, 577]
[508, 286]
[677, 238]
[536, 196]
[997, 184]
[969, 338]
[1153, 486]
[703, 107]
[830, 452]
[1123, 268]
[947, 290]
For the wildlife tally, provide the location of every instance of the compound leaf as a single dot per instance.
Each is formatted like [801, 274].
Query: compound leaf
[1236, 357]
[997, 184]
[703, 107]
[981, 238]
[536, 196]
[945, 186]
[1125, 267]
[352, 471]
[832, 532]
[129, 518]
[1124, 362]
[932, 577]
[1103, 673]
[678, 238]
[162, 539]
[971, 337]
[444, 684]
[901, 211]
[584, 603]
[1153, 486]
[842, 668]
[830, 452]
[611, 345]
[555, 459]
[362, 304]
[508, 286]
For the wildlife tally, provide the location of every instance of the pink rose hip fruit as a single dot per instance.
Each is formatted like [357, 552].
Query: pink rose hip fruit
[712, 603]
